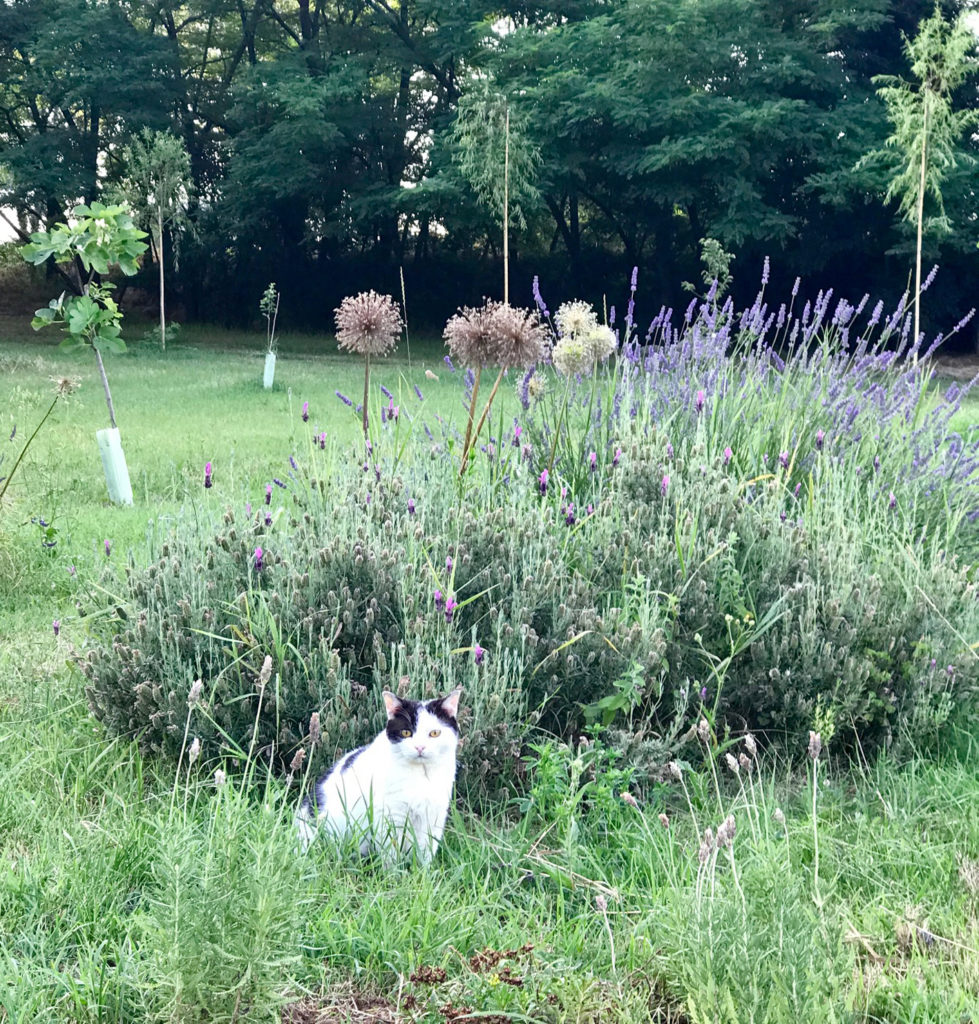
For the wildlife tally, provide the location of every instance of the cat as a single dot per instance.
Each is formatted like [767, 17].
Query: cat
[391, 796]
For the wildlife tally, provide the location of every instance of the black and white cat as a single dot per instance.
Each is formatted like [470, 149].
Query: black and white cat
[393, 795]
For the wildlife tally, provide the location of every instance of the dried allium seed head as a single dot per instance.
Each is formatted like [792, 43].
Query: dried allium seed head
[601, 903]
[570, 357]
[750, 746]
[266, 674]
[779, 816]
[599, 344]
[745, 762]
[732, 762]
[195, 692]
[495, 334]
[195, 750]
[315, 734]
[65, 386]
[575, 319]
[725, 831]
[219, 778]
[703, 731]
[297, 760]
[815, 745]
[368, 323]
[664, 820]
[627, 798]
[674, 769]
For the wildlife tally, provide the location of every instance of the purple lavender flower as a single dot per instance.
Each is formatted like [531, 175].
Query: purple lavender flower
[479, 653]
[386, 393]
[323, 441]
[664, 485]
[876, 463]
[343, 398]
[72, 571]
[590, 510]
[438, 600]
[418, 392]
[616, 457]
[448, 363]
[108, 548]
[517, 431]
[292, 462]
[248, 509]
[56, 626]
[278, 482]
[699, 400]
[305, 412]
[538, 299]
[259, 554]
[411, 506]
[703, 694]
[783, 460]
[891, 501]
[207, 474]
[525, 452]
[268, 494]
[782, 515]
[542, 482]
[569, 514]
[448, 563]
[728, 455]
[820, 436]
[764, 272]
[268, 518]
[669, 450]
[13, 433]
[450, 607]
[592, 461]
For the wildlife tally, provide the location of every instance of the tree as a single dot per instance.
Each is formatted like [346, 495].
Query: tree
[157, 183]
[927, 130]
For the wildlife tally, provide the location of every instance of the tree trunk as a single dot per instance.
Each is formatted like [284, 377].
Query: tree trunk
[105, 386]
[921, 220]
[506, 210]
[159, 256]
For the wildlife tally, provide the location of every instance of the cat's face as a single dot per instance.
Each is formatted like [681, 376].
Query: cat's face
[423, 732]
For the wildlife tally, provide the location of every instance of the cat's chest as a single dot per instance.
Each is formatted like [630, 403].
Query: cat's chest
[416, 789]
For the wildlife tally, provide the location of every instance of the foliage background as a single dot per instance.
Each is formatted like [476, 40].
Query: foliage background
[321, 144]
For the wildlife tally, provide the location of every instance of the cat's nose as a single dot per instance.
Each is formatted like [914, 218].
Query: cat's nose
[420, 747]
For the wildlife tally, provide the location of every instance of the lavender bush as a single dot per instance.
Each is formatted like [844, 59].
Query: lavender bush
[759, 520]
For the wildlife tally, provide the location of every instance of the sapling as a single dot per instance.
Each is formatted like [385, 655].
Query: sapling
[100, 237]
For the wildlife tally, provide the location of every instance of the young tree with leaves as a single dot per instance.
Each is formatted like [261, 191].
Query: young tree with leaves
[927, 132]
[157, 184]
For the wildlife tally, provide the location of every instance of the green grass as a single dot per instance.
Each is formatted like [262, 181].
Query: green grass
[128, 894]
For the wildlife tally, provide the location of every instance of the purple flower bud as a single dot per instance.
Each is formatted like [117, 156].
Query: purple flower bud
[418, 392]
[517, 431]
[525, 452]
[386, 393]
[782, 515]
[393, 414]
[891, 501]
[569, 514]
[543, 481]
[450, 607]
[72, 571]
[323, 441]
[728, 455]
[278, 482]
[699, 400]
[248, 509]
[783, 459]
[820, 436]
[478, 654]
[411, 506]
[268, 518]
[292, 462]
[448, 563]
[268, 494]
[592, 461]
[448, 363]
[669, 449]
[703, 694]
[108, 548]
[259, 553]
[305, 412]
[664, 484]
[207, 474]
[616, 456]
[343, 398]
[564, 493]
[438, 600]
[876, 464]
[56, 626]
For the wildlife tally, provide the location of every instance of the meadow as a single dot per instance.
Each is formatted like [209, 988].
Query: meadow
[622, 848]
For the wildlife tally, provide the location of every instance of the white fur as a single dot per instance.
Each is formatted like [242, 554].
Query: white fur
[394, 797]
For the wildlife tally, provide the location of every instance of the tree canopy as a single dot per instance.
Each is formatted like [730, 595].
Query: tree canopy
[325, 152]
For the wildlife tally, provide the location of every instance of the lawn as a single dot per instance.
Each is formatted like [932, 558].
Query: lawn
[134, 890]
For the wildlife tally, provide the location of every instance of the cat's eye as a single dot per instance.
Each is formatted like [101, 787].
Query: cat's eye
[435, 732]
[406, 733]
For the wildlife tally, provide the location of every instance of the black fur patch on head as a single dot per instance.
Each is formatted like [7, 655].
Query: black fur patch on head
[405, 717]
[435, 708]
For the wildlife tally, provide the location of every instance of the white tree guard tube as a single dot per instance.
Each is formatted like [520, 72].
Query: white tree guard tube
[114, 464]
[269, 369]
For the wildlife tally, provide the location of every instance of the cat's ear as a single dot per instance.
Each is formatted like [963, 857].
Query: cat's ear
[392, 703]
[450, 704]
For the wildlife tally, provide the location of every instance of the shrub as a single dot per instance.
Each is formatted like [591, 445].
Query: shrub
[780, 546]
